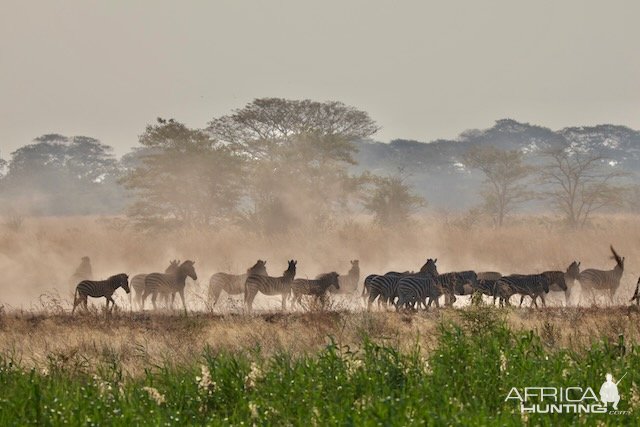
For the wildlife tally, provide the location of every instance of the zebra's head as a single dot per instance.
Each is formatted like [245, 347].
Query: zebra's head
[430, 267]
[331, 279]
[258, 268]
[291, 269]
[173, 266]
[121, 280]
[573, 271]
[188, 269]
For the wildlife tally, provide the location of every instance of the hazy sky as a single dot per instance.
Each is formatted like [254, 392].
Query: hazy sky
[423, 70]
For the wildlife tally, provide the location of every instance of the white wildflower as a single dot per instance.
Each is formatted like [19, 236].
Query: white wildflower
[154, 395]
[205, 384]
[503, 362]
[253, 409]
[254, 376]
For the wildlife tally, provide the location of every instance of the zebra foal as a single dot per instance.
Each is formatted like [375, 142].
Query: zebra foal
[316, 287]
[533, 285]
[99, 289]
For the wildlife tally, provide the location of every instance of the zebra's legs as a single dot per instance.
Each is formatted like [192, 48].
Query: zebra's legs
[113, 303]
[154, 296]
[214, 295]
[249, 295]
[76, 302]
[284, 301]
[184, 305]
[522, 299]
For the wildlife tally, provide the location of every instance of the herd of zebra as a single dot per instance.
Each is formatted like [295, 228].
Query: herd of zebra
[404, 290]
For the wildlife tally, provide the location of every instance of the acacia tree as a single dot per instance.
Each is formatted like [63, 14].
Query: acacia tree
[183, 177]
[297, 153]
[581, 183]
[505, 179]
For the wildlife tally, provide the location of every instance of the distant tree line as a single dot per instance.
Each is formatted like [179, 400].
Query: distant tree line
[268, 166]
[277, 164]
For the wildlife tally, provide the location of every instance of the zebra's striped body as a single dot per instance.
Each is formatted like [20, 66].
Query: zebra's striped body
[169, 283]
[457, 283]
[533, 285]
[416, 289]
[592, 280]
[562, 281]
[233, 284]
[489, 275]
[316, 287]
[269, 286]
[349, 281]
[386, 287]
[99, 289]
[137, 284]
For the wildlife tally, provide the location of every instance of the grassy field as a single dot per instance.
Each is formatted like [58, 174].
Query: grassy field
[343, 366]
[447, 367]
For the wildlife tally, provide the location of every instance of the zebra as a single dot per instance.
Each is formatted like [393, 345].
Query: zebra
[317, 287]
[349, 281]
[485, 283]
[385, 287]
[232, 284]
[416, 289]
[169, 283]
[99, 289]
[137, 283]
[457, 283]
[562, 281]
[636, 294]
[269, 285]
[534, 285]
[603, 280]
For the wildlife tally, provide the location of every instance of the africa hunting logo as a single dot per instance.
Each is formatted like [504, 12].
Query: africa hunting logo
[580, 400]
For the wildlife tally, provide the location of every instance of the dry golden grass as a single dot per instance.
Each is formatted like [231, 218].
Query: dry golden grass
[143, 341]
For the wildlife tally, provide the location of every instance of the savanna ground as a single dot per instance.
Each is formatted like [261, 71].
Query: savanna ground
[341, 366]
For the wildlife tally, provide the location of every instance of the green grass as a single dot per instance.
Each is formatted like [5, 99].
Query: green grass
[462, 381]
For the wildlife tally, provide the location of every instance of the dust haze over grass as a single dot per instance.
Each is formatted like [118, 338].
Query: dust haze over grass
[39, 256]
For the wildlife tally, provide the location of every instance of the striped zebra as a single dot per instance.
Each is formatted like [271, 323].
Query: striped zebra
[316, 287]
[233, 284]
[533, 285]
[415, 289]
[99, 289]
[270, 285]
[169, 283]
[562, 281]
[636, 294]
[603, 280]
[349, 281]
[137, 284]
[385, 288]
[457, 283]
[486, 282]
